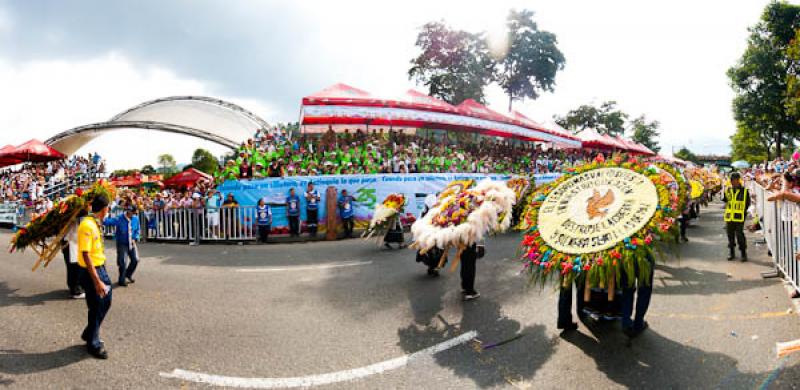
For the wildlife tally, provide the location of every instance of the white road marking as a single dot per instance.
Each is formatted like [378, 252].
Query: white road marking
[305, 267]
[321, 379]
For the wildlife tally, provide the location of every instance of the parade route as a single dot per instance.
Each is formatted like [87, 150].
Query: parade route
[346, 314]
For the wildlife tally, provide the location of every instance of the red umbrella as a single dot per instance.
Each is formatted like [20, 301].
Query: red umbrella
[6, 161]
[186, 178]
[33, 151]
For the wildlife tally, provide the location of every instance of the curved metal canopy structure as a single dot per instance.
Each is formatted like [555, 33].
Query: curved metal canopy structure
[211, 119]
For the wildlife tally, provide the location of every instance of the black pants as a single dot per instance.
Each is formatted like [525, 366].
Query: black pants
[312, 221]
[348, 227]
[98, 307]
[73, 270]
[565, 303]
[263, 233]
[735, 232]
[468, 258]
[684, 223]
[642, 290]
[294, 225]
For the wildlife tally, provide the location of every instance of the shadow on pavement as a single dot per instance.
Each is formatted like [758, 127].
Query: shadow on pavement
[8, 297]
[20, 363]
[515, 361]
[691, 281]
[652, 361]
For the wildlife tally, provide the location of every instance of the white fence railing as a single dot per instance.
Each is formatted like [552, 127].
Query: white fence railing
[219, 224]
[780, 223]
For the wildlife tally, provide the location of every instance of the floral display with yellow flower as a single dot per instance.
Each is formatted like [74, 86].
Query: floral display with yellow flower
[53, 224]
[465, 217]
[384, 214]
[609, 227]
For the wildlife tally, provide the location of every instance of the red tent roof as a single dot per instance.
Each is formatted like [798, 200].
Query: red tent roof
[471, 107]
[186, 178]
[127, 181]
[418, 97]
[33, 150]
[6, 161]
[340, 90]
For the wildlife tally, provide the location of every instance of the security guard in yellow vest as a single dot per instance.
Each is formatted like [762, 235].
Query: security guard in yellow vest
[737, 201]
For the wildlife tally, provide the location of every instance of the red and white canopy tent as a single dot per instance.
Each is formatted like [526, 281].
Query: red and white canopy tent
[187, 178]
[31, 151]
[341, 105]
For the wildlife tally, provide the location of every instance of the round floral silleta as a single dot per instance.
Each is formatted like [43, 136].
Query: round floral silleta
[465, 217]
[384, 213]
[604, 267]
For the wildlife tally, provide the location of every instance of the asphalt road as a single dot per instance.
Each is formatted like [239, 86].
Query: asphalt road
[301, 310]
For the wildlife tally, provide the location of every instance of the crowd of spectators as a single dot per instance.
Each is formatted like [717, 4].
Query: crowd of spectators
[36, 185]
[274, 154]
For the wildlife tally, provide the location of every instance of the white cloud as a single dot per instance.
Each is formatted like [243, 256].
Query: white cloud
[43, 98]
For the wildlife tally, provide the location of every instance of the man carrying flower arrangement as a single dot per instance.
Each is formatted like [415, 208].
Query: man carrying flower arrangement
[93, 276]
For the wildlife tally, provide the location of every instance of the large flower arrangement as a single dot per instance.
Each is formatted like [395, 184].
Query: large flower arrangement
[465, 217]
[603, 268]
[384, 214]
[54, 224]
[523, 188]
[455, 187]
[679, 190]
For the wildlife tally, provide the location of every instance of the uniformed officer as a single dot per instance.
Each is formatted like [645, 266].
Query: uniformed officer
[93, 276]
[312, 209]
[345, 203]
[293, 213]
[264, 220]
[737, 201]
[126, 234]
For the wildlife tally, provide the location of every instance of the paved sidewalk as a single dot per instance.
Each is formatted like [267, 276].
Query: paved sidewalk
[300, 310]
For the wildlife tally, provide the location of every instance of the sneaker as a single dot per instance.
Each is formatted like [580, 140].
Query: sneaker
[472, 296]
[78, 296]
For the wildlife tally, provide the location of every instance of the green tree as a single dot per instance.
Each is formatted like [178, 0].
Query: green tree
[167, 164]
[761, 78]
[645, 132]
[686, 155]
[455, 65]
[148, 169]
[749, 145]
[530, 65]
[606, 119]
[204, 161]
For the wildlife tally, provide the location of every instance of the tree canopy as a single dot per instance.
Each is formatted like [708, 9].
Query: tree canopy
[204, 161]
[455, 65]
[167, 164]
[764, 80]
[606, 119]
[645, 132]
[686, 155]
[530, 64]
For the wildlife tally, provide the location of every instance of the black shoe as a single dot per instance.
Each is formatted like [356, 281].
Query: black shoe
[568, 327]
[99, 353]
[731, 256]
[744, 257]
[130, 279]
[122, 283]
[684, 239]
[432, 272]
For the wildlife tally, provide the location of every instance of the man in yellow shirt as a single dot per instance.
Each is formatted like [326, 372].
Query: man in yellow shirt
[93, 276]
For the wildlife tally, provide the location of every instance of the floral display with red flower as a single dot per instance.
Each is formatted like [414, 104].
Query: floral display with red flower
[604, 267]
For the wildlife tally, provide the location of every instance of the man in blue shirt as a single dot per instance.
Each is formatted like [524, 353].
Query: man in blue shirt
[345, 203]
[264, 220]
[312, 209]
[126, 234]
[293, 213]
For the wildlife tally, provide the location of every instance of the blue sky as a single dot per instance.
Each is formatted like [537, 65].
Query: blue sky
[65, 64]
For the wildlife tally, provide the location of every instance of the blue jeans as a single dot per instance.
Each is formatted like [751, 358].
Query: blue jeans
[126, 271]
[643, 291]
[98, 307]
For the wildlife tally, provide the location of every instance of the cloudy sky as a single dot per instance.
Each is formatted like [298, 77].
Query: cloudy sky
[65, 64]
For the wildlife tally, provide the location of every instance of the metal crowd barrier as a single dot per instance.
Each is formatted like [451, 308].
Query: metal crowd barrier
[780, 223]
[194, 225]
